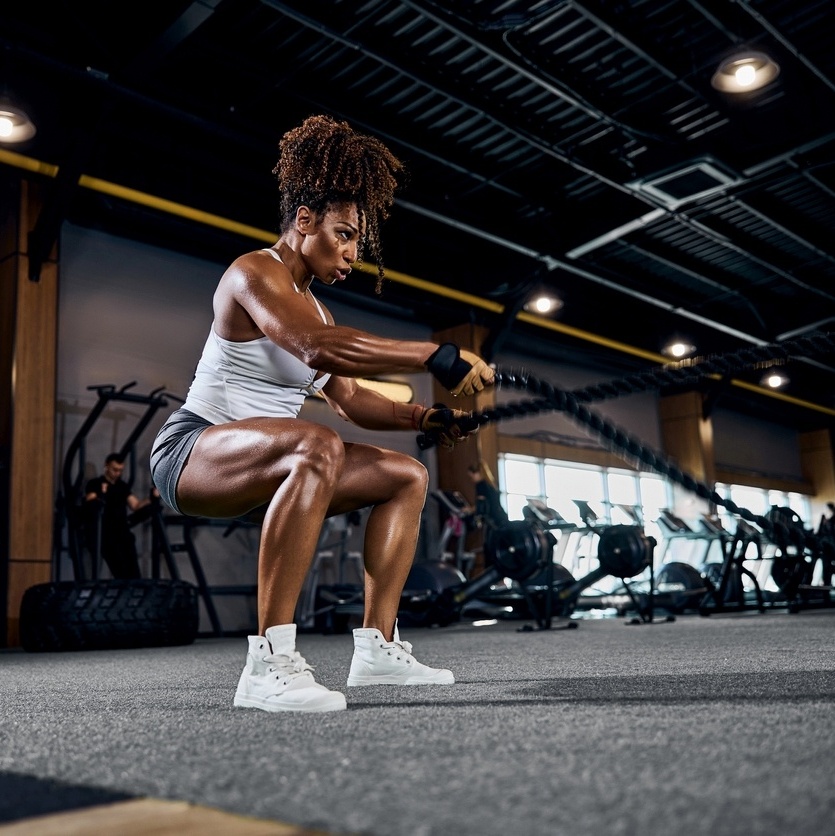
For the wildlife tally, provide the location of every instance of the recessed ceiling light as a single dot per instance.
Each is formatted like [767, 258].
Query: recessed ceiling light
[744, 72]
[543, 303]
[15, 124]
[774, 379]
[678, 348]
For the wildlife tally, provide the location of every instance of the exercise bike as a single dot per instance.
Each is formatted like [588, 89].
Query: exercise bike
[520, 551]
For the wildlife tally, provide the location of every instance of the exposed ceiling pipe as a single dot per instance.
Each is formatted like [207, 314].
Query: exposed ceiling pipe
[544, 148]
[324, 30]
[616, 233]
[784, 230]
[552, 263]
[785, 42]
[536, 78]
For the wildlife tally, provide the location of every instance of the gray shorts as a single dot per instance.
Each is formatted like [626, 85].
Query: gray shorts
[171, 450]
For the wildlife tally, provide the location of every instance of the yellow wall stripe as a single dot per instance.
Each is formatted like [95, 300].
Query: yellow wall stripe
[103, 186]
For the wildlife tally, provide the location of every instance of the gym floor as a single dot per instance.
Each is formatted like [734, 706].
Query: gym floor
[705, 725]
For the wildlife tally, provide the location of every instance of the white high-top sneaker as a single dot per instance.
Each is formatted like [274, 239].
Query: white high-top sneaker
[378, 662]
[277, 678]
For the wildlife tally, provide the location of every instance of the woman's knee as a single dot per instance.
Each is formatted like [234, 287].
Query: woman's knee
[411, 473]
[321, 450]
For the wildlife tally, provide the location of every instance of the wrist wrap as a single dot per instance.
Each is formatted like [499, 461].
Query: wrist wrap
[447, 367]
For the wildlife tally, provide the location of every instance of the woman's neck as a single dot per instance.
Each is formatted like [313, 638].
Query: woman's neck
[294, 263]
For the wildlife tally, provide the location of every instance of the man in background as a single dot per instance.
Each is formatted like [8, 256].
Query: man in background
[488, 504]
[109, 500]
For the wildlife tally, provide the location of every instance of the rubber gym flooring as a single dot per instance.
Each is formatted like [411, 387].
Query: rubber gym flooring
[706, 725]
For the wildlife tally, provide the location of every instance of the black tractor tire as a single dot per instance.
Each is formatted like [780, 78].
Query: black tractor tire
[108, 615]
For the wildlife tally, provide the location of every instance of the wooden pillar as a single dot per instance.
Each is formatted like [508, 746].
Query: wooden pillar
[483, 447]
[687, 437]
[28, 339]
[817, 462]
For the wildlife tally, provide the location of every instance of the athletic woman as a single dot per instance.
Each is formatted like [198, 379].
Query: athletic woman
[238, 443]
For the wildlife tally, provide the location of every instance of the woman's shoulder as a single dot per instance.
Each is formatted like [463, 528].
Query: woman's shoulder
[261, 258]
[254, 267]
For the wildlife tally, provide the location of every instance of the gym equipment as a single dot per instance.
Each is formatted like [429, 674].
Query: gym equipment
[88, 613]
[165, 547]
[70, 502]
[794, 555]
[550, 398]
[519, 551]
[107, 615]
[459, 516]
[328, 607]
[679, 587]
[673, 529]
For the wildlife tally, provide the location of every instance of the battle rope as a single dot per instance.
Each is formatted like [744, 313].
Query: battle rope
[688, 372]
[550, 399]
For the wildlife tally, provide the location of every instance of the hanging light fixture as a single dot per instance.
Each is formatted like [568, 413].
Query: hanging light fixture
[543, 302]
[744, 72]
[774, 378]
[15, 124]
[678, 348]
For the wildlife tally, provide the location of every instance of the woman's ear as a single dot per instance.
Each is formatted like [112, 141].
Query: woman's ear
[305, 220]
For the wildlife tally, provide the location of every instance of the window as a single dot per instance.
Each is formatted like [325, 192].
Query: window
[584, 496]
[576, 491]
[587, 494]
[760, 500]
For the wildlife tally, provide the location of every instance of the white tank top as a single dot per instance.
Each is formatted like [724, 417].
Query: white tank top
[235, 380]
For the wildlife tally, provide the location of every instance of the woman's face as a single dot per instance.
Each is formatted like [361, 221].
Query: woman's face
[331, 242]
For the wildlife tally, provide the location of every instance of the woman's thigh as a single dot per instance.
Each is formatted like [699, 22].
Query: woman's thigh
[373, 475]
[234, 468]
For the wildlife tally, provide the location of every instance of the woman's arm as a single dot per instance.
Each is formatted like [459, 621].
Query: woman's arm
[263, 290]
[257, 296]
[373, 411]
[369, 409]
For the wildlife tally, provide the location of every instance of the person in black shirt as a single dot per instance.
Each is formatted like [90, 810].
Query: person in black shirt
[108, 501]
[488, 504]
[827, 523]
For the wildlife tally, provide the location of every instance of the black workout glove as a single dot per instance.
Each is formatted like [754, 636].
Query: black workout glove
[444, 426]
[461, 372]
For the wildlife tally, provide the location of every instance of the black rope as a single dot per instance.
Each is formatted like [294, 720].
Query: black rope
[549, 398]
[690, 371]
[556, 400]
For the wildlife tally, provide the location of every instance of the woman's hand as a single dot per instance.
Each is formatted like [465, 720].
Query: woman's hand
[460, 371]
[447, 427]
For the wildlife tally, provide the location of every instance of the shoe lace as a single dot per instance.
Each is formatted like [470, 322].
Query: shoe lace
[399, 646]
[407, 648]
[290, 664]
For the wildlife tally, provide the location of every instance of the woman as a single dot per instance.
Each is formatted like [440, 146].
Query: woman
[238, 444]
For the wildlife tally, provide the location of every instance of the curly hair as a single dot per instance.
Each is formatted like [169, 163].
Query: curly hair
[324, 162]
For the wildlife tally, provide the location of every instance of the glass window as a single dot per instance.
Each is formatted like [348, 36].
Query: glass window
[624, 501]
[565, 484]
[759, 501]
[754, 499]
[656, 493]
[519, 478]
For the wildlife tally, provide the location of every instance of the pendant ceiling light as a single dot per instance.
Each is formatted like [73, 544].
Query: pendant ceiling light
[15, 124]
[744, 72]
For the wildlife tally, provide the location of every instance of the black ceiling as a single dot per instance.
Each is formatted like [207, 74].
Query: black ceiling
[532, 132]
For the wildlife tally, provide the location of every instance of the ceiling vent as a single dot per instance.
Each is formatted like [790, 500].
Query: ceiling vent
[686, 183]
